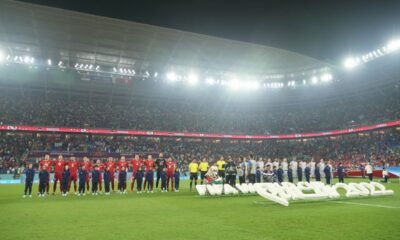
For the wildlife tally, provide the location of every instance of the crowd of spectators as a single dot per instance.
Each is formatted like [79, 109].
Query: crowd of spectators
[204, 117]
[351, 150]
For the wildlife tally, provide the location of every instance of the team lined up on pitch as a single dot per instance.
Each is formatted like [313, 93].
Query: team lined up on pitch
[73, 172]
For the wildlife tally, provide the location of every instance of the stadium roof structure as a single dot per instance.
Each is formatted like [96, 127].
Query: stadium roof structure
[73, 37]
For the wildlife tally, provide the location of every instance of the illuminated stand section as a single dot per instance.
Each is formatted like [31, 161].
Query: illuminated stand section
[285, 192]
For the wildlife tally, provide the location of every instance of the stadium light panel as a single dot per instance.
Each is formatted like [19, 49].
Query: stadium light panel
[393, 45]
[2, 56]
[60, 63]
[97, 68]
[155, 74]
[192, 79]
[210, 81]
[27, 59]
[171, 76]
[49, 62]
[253, 85]
[314, 80]
[234, 84]
[350, 63]
[326, 77]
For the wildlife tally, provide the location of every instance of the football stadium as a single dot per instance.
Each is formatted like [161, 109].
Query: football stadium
[118, 129]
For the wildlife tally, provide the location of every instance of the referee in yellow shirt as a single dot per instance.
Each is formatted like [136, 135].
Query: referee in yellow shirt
[193, 169]
[203, 169]
[221, 167]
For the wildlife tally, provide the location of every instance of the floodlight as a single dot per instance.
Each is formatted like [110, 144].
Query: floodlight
[192, 79]
[314, 80]
[27, 59]
[350, 63]
[2, 56]
[254, 85]
[234, 84]
[49, 62]
[393, 45]
[326, 77]
[60, 63]
[172, 76]
[210, 81]
[97, 68]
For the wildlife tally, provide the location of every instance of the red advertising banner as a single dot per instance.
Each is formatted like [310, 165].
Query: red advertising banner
[197, 135]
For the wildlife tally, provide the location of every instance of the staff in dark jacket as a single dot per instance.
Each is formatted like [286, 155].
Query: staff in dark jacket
[65, 180]
[29, 176]
[82, 175]
[43, 179]
[122, 181]
[317, 174]
[230, 172]
[95, 180]
[299, 173]
[340, 173]
[107, 180]
[327, 172]
[290, 175]
[307, 173]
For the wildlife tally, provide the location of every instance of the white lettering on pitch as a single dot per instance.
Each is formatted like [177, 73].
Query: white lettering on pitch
[285, 192]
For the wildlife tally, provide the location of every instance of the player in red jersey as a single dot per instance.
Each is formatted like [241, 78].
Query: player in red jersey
[58, 169]
[88, 167]
[136, 164]
[73, 169]
[111, 166]
[101, 169]
[149, 164]
[122, 163]
[170, 172]
[46, 164]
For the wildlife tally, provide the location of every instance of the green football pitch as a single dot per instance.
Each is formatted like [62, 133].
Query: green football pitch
[185, 215]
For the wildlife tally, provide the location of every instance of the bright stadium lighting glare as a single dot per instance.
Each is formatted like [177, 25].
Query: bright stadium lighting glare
[60, 63]
[97, 68]
[326, 77]
[304, 82]
[192, 79]
[350, 63]
[171, 76]
[210, 81]
[234, 84]
[114, 69]
[155, 74]
[393, 45]
[314, 80]
[27, 59]
[2, 56]
[253, 85]
[49, 62]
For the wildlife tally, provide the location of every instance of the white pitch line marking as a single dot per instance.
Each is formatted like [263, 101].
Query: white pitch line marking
[368, 205]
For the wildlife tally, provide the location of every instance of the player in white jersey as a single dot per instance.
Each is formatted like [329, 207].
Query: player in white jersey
[284, 165]
[321, 166]
[276, 163]
[293, 166]
[260, 165]
[303, 165]
[269, 163]
[312, 167]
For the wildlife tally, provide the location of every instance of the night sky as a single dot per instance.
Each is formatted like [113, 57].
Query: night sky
[327, 30]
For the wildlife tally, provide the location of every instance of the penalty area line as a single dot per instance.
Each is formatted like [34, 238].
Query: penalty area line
[367, 204]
